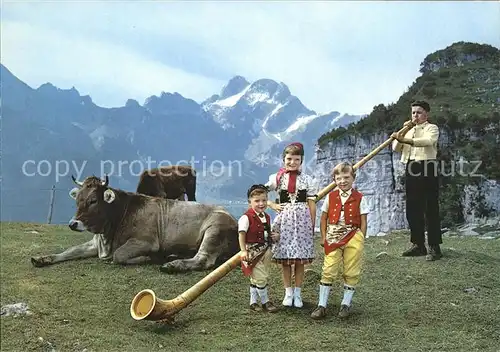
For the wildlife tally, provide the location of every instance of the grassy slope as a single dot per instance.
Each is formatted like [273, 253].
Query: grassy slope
[401, 304]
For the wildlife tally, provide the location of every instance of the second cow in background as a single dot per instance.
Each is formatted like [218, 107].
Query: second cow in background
[170, 182]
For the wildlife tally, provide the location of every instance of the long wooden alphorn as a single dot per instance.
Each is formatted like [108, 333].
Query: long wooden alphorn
[146, 306]
[322, 193]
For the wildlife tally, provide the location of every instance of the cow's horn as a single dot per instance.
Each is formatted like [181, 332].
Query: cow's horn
[78, 183]
[106, 181]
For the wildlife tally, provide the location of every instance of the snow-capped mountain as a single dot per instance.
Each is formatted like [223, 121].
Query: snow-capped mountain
[233, 139]
[261, 104]
[269, 116]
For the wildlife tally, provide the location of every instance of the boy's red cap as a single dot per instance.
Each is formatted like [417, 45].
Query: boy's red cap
[297, 144]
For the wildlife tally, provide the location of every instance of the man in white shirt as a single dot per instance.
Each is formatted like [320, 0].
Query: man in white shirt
[418, 149]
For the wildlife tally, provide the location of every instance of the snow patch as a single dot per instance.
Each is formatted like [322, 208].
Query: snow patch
[260, 145]
[254, 98]
[297, 126]
[231, 101]
[277, 109]
[300, 122]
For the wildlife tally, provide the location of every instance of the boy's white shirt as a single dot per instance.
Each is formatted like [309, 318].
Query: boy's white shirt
[363, 206]
[244, 223]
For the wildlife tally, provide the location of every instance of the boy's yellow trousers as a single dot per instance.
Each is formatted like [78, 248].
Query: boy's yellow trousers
[350, 256]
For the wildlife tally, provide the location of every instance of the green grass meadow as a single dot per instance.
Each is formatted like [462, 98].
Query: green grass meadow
[401, 304]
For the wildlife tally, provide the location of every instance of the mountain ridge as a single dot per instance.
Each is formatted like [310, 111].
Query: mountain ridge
[53, 125]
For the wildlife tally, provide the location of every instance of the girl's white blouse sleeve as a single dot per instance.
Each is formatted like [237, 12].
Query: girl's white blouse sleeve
[311, 187]
[271, 183]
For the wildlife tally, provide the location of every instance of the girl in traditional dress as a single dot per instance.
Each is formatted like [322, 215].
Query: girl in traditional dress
[295, 220]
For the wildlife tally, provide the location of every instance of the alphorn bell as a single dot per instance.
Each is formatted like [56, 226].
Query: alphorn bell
[408, 126]
[146, 306]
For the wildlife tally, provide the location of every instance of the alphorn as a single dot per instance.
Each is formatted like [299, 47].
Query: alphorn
[146, 306]
[409, 125]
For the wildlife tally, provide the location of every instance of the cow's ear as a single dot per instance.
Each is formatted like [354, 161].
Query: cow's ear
[109, 196]
[73, 193]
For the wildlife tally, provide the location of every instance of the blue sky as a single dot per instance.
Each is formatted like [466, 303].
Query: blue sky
[344, 56]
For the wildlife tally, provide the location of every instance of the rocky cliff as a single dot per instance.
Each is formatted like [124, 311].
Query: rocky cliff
[381, 180]
[462, 84]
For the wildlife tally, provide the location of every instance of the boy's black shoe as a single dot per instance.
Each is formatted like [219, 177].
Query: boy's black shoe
[319, 313]
[270, 307]
[415, 251]
[345, 311]
[434, 253]
[255, 307]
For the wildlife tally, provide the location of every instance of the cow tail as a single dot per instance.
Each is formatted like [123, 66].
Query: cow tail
[191, 187]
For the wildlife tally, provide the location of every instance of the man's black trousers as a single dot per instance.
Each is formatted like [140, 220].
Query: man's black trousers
[422, 201]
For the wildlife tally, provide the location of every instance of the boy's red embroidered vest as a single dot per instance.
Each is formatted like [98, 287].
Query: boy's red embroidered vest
[351, 209]
[255, 232]
[352, 216]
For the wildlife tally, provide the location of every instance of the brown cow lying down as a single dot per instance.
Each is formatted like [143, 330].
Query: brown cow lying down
[170, 182]
[134, 228]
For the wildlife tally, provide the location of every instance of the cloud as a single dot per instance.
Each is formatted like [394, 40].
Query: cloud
[346, 56]
[38, 55]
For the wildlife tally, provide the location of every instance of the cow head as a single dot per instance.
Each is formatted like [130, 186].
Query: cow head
[93, 199]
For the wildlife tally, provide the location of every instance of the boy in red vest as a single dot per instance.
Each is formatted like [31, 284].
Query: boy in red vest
[343, 229]
[255, 238]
